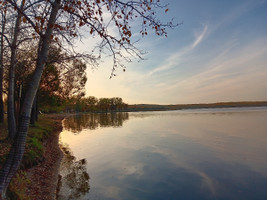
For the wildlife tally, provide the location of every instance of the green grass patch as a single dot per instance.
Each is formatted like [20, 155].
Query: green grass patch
[34, 152]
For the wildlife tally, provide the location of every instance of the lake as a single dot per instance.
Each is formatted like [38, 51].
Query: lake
[202, 154]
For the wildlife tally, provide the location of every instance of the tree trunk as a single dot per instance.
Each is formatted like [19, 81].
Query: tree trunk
[34, 111]
[11, 82]
[1, 96]
[2, 68]
[37, 108]
[18, 103]
[15, 156]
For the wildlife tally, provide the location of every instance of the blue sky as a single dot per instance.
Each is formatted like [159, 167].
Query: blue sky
[219, 53]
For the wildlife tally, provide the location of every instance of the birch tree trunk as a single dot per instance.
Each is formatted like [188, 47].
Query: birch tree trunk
[17, 150]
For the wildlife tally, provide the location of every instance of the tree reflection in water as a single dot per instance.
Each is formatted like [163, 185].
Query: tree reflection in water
[92, 121]
[73, 178]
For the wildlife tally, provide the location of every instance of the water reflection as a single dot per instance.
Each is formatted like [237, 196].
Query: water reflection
[196, 155]
[93, 121]
[73, 178]
[201, 112]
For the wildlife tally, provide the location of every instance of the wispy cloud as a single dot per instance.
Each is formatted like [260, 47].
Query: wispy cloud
[174, 59]
[200, 37]
[232, 73]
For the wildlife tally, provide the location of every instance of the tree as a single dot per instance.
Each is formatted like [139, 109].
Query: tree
[61, 21]
[16, 153]
[91, 103]
[11, 84]
[70, 71]
[23, 73]
[116, 103]
[3, 25]
[73, 79]
[104, 104]
[62, 77]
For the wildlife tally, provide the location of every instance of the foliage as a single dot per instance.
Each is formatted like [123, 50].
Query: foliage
[92, 104]
[60, 80]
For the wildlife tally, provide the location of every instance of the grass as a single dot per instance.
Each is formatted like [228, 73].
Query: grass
[34, 146]
[33, 155]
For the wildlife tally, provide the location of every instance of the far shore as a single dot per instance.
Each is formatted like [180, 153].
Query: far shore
[156, 107]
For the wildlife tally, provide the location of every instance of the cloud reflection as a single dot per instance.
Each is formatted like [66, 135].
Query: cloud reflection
[197, 154]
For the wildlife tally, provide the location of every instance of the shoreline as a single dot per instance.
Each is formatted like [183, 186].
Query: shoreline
[44, 177]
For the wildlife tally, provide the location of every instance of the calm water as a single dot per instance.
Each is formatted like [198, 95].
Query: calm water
[193, 154]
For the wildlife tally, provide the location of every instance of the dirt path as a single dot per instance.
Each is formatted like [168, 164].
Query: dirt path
[44, 177]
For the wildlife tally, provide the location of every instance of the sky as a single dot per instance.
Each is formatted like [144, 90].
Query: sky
[218, 54]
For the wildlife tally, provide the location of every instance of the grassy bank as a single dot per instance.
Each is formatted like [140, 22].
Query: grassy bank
[37, 139]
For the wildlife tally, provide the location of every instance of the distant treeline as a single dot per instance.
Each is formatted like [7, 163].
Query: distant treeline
[84, 104]
[92, 104]
[155, 107]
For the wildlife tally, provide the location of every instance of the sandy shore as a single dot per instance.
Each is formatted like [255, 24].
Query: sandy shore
[44, 177]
